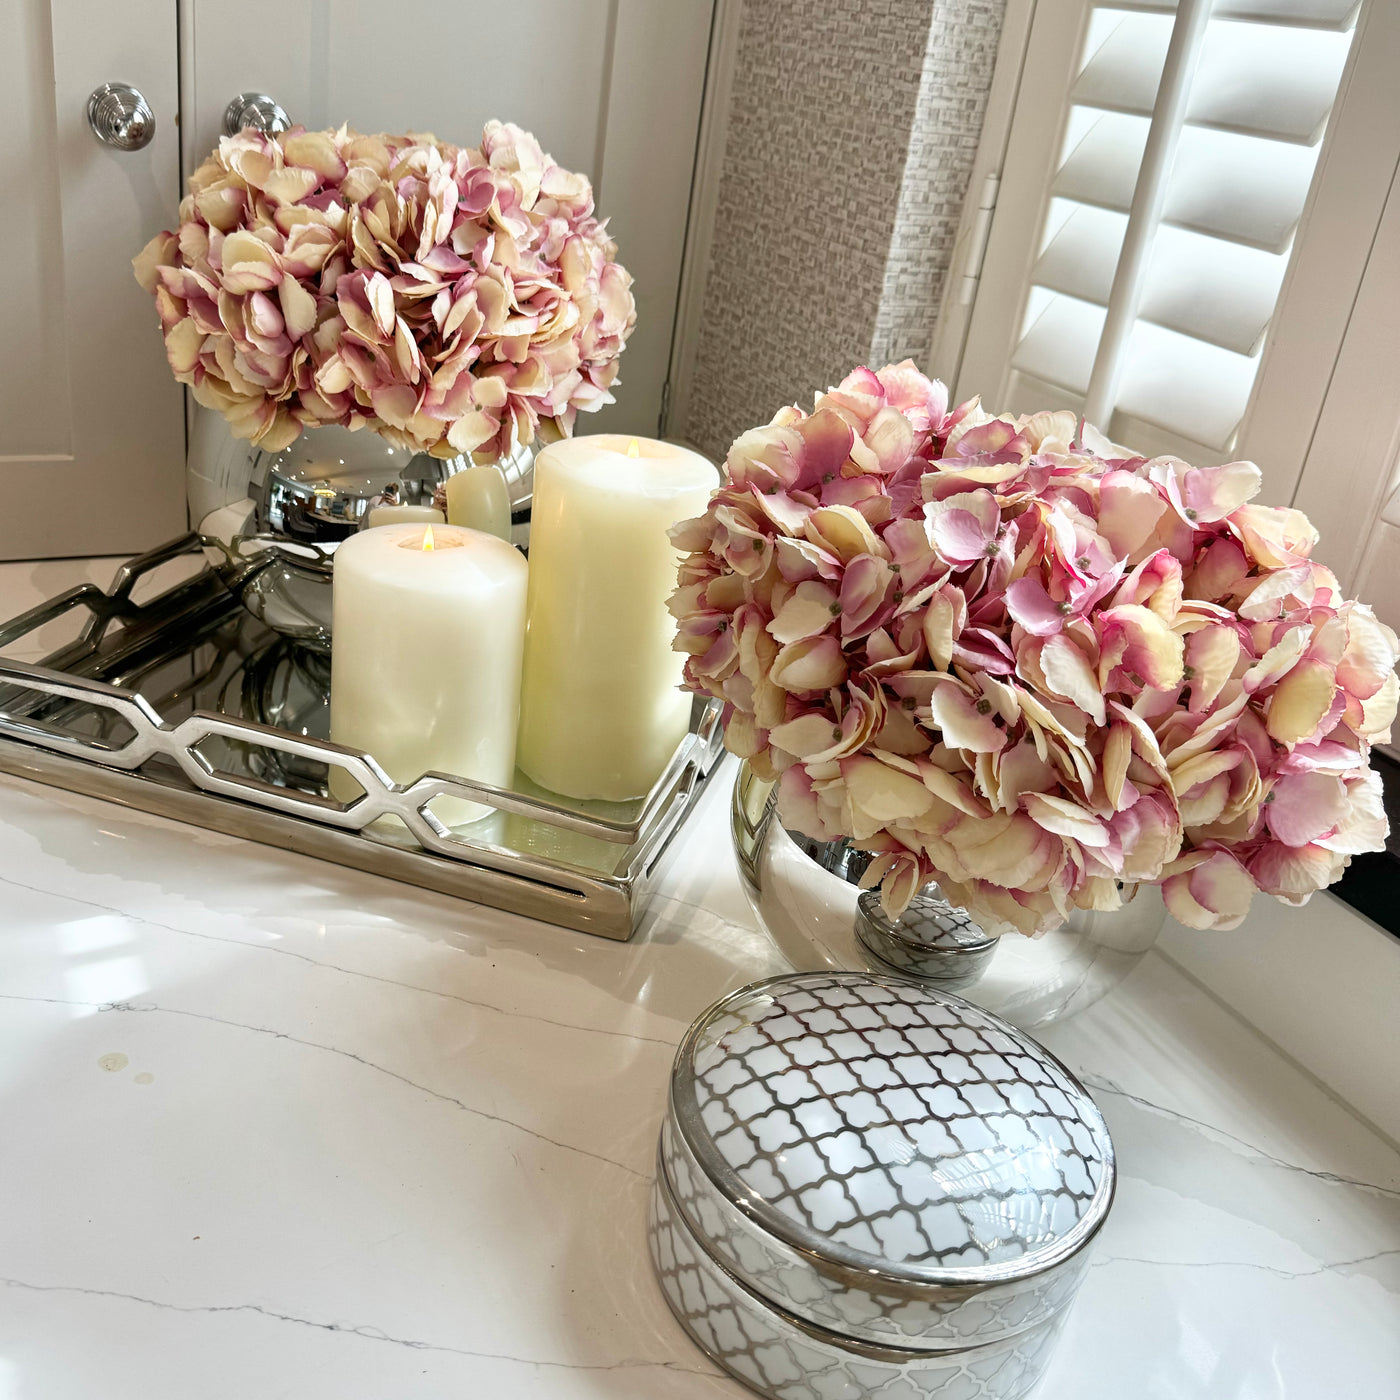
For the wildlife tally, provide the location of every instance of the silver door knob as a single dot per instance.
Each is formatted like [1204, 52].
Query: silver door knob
[120, 117]
[255, 109]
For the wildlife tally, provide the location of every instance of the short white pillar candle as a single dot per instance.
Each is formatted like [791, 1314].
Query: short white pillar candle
[428, 628]
[403, 515]
[601, 707]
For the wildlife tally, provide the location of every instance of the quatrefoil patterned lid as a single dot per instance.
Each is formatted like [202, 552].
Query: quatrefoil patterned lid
[893, 1130]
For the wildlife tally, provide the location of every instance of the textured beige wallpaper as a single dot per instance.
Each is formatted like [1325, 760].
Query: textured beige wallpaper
[851, 134]
[957, 72]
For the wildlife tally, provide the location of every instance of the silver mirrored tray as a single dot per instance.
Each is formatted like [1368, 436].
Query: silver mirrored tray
[184, 704]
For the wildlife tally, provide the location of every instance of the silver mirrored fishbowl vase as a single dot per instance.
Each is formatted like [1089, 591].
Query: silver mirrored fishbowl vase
[270, 522]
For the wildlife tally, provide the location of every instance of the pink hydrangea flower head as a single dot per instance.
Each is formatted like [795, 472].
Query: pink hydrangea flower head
[453, 300]
[1002, 653]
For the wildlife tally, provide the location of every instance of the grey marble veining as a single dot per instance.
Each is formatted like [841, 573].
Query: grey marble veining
[279, 1128]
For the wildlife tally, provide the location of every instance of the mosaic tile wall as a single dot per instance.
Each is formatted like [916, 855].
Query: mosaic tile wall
[962, 49]
[851, 133]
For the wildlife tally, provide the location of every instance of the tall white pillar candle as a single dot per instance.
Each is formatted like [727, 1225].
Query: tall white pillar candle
[428, 627]
[601, 707]
[479, 498]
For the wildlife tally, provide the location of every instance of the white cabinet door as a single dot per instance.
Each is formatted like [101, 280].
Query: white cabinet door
[91, 422]
[610, 87]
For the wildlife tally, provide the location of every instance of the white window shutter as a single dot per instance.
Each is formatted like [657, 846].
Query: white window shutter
[1255, 84]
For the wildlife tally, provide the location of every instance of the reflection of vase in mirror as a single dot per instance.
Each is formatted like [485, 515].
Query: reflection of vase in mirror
[807, 896]
[288, 687]
[270, 522]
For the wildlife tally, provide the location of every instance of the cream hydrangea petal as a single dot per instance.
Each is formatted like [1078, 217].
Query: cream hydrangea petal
[1277, 660]
[1211, 654]
[1135, 638]
[183, 343]
[1011, 850]
[1202, 768]
[1203, 804]
[1071, 677]
[1295, 873]
[1149, 834]
[810, 610]
[1269, 597]
[1212, 493]
[298, 307]
[890, 437]
[1378, 713]
[940, 630]
[1118, 750]
[1370, 655]
[880, 795]
[1300, 702]
[963, 723]
[806, 736]
[317, 151]
[1050, 430]
[842, 531]
[161, 251]
[1305, 806]
[1275, 536]
[1130, 508]
[1214, 893]
[815, 663]
[1365, 826]
[1065, 818]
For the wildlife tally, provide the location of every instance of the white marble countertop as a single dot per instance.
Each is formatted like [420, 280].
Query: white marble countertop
[272, 1128]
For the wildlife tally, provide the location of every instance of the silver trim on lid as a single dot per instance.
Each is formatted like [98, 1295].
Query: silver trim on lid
[803, 1024]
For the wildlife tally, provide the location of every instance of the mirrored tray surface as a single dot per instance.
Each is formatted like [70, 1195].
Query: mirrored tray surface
[186, 705]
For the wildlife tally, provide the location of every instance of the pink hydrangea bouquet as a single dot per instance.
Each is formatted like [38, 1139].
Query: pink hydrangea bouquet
[1005, 654]
[452, 300]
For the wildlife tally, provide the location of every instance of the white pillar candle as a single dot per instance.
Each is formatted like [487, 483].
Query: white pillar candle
[403, 515]
[601, 707]
[478, 498]
[425, 657]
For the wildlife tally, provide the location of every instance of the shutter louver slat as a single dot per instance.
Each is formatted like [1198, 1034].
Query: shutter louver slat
[1263, 80]
[1302, 14]
[1080, 259]
[1240, 188]
[1225, 186]
[1184, 385]
[1217, 292]
[1060, 344]
[1171, 381]
[1220, 293]
[1103, 165]
[1126, 65]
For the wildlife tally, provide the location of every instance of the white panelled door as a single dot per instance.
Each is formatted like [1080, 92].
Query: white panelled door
[91, 424]
[610, 87]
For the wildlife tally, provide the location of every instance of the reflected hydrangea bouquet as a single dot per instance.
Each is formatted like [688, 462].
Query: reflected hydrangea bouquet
[452, 300]
[1005, 654]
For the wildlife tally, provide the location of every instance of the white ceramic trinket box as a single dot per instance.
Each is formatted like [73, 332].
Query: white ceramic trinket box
[869, 1188]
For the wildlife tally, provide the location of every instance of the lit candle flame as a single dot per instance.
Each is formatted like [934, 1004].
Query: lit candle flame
[428, 537]
[634, 448]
